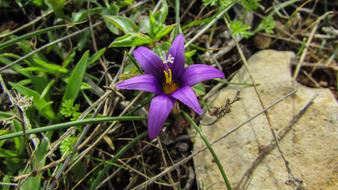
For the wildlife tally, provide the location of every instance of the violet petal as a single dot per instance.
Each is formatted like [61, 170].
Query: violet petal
[146, 82]
[198, 72]
[159, 110]
[188, 97]
[149, 61]
[177, 51]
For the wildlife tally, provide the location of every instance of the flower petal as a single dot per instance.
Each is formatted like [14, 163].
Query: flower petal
[147, 82]
[188, 97]
[149, 61]
[199, 72]
[160, 108]
[177, 51]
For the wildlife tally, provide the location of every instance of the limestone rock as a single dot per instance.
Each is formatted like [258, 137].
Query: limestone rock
[310, 146]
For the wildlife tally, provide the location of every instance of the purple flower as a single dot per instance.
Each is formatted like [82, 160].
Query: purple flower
[169, 81]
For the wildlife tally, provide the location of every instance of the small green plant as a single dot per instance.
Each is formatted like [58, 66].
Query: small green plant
[267, 24]
[67, 145]
[249, 5]
[238, 28]
[68, 109]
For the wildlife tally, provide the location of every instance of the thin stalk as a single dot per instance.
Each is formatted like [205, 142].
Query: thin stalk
[71, 124]
[26, 25]
[177, 16]
[108, 167]
[211, 150]
[29, 35]
[220, 15]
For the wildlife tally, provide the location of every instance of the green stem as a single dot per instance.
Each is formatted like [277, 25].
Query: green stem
[177, 16]
[71, 124]
[211, 150]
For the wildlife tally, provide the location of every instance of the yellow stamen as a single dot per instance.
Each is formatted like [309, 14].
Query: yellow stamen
[168, 76]
[169, 86]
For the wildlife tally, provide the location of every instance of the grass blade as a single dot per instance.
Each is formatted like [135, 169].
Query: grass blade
[76, 78]
[71, 124]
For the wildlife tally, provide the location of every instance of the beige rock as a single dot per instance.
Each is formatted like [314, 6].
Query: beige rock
[311, 146]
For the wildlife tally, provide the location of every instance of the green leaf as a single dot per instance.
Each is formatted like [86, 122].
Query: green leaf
[163, 13]
[84, 85]
[38, 3]
[19, 142]
[189, 54]
[25, 82]
[69, 59]
[129, 71]
[82, 15]
[18, 68]
[267, 24]
[76, 78]
[7, 153]
[33, 69]
[44, 107]
[49, 67]
[157, 20]
[238, 28]
[131, 39]
[6, 179]
[46, 89]
[112, 9]
[199, 89]
[153, 26]
[96, 56]
[68, 109]
[3, 132]
[83, 41]
[164, 31]
[250, 5]
[39, 82]
[210, 2]
[57, 6]
[67, 145]
[197, 22]
[5, 115]
[38, 160]
[145, 25]
[123, 23]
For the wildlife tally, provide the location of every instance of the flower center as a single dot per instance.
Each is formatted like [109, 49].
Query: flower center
[169, 86]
